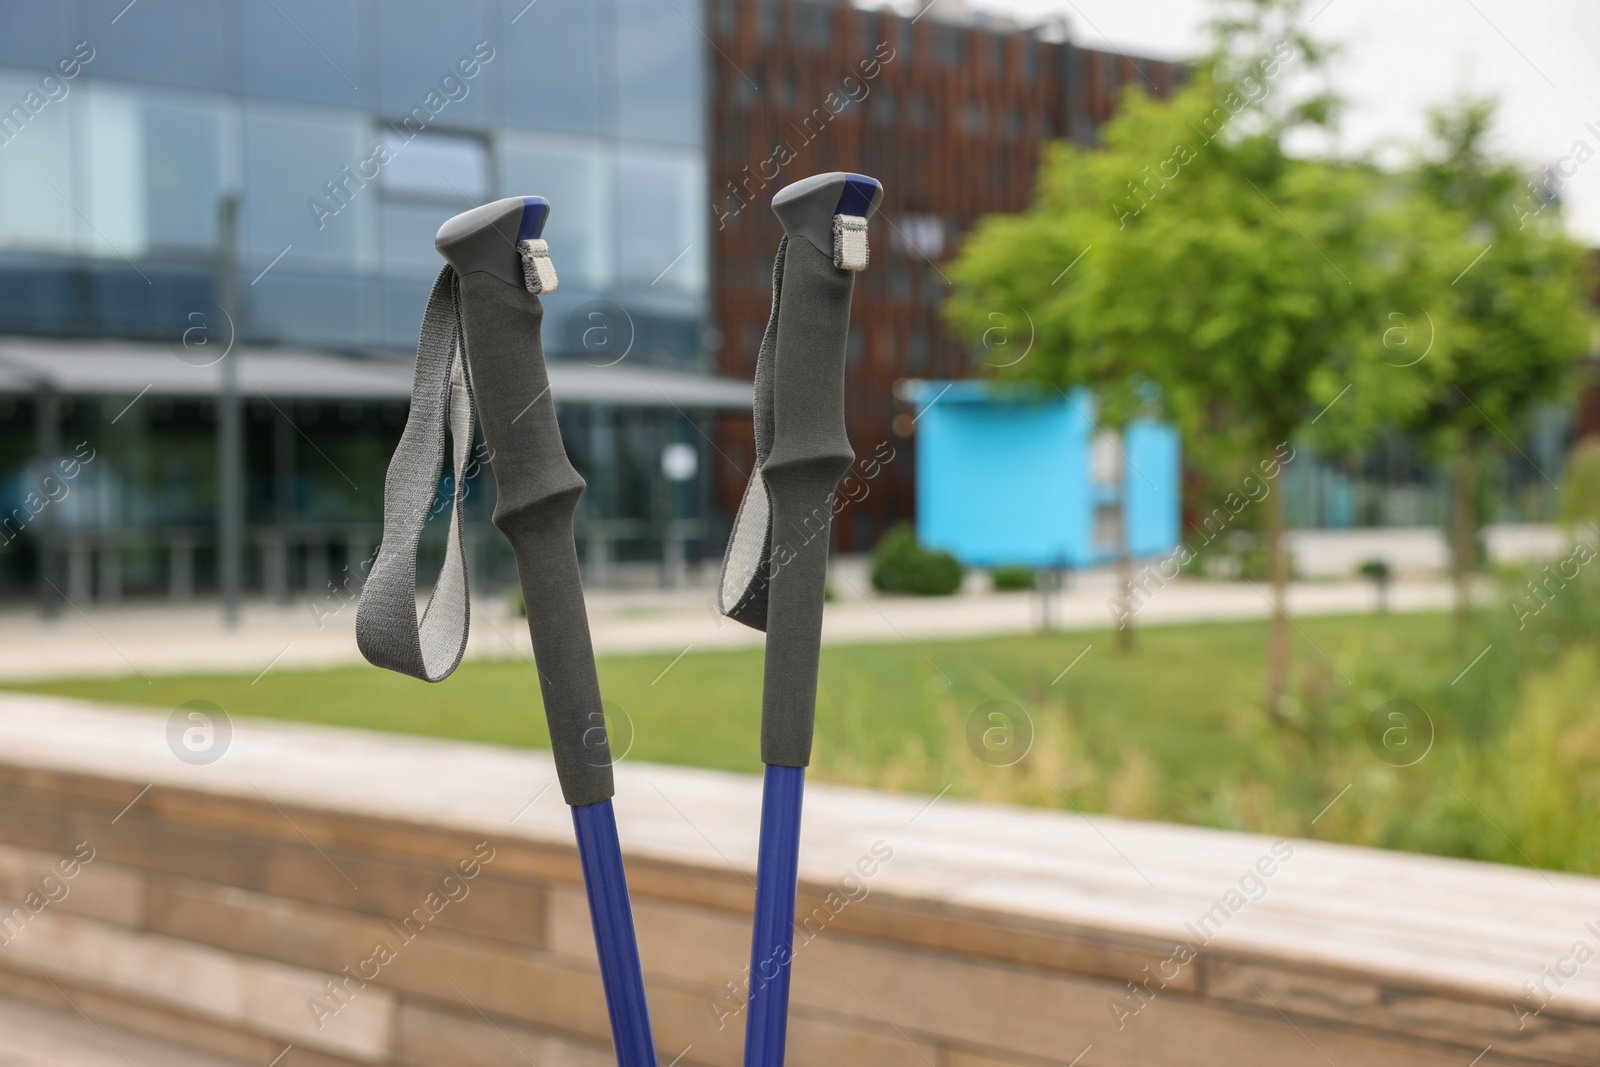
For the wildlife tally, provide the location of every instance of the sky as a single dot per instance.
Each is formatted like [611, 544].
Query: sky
[1402, 57]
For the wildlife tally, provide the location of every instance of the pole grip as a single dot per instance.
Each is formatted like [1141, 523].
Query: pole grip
[824, 220]
[810, 453]
[537, 489]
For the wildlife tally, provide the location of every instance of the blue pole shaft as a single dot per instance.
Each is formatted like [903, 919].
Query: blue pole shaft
[612, 918]
[772, 944]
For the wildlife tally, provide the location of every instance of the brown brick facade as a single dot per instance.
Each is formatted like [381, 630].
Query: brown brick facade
[951, 118]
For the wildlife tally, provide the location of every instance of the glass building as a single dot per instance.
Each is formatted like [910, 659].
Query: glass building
[346, 131]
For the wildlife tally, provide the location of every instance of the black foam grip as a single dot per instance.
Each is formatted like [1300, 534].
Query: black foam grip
[537, 493]
[811, 452]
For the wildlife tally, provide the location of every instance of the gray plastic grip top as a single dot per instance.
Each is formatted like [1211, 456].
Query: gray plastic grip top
[485, 239]
[536, 487]
[806, 208]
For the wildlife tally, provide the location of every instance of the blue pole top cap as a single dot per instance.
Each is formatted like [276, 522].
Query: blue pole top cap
[535, 211]
[860, 195]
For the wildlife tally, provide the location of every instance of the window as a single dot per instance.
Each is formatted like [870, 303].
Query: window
[814, 24]
[35, 36]
[419, 46]
[575, 175]
[949, 45]
[661, 240]
[172, 43]
[297, 190]
[447, 169]
[278, 62]
[32, 215]
[326, 309]
[551, 88]
[994, 47]
[918, 235]
[659, 72]
[917, 352]
[899, 283]
[871, 32]
[184, 168]
[747, 88]
[111, 177]
[405, 237]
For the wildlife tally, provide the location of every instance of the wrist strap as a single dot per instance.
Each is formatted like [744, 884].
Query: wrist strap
[387, 629]
[747, 563]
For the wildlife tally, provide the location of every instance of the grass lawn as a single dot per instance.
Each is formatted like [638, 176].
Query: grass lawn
[1161, 732]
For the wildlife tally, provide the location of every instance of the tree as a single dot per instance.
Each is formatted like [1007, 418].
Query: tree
[1516, 312]
[1241, 279]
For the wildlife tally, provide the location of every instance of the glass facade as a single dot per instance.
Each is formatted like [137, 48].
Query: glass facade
[349, 129]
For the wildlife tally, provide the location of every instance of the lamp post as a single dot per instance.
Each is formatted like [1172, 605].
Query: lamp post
[47, 428]
[230, 438]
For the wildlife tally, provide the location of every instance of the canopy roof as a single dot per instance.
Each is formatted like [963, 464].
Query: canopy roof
[128, 368]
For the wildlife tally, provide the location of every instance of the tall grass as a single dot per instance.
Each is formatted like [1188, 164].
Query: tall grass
[1485, 745]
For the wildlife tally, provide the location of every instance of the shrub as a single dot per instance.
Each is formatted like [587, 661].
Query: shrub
[901, 564]
[1580, 487]
[1005, 578]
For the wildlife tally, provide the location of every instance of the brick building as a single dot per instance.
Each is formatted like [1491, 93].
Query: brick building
[951, 114]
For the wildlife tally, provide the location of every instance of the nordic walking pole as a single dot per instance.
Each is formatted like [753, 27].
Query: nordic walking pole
[480, 347]
[774, 575]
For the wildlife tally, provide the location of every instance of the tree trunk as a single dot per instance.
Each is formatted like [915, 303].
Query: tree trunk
[1124, 590]
[1278, 625]
[1464, 524]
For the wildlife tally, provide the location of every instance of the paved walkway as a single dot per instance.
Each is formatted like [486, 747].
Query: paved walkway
[163, 638]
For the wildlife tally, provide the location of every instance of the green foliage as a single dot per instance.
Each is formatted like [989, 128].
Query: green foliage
[1512, 320]
[1580, 485]
[1375, 569]
[1246, 283]
[1493, 757]
[1011, 578]
[902, 564]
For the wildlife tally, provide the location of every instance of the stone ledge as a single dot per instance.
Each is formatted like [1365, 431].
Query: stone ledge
[978, 934]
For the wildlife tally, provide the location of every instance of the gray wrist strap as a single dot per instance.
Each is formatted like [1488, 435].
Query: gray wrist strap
[746, 566]
[387, 629]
